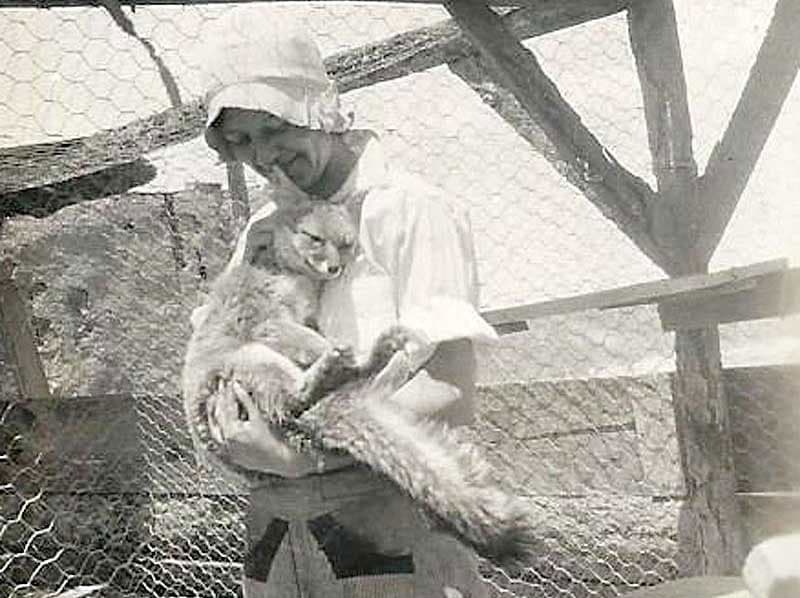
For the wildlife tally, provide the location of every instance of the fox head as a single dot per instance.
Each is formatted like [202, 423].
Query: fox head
[310, 237]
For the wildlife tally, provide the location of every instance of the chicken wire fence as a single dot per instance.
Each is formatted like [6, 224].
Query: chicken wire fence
[105, 490]
[115, 237]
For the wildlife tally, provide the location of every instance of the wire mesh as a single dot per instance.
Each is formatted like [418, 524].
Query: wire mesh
[117, 216]
[104, 490]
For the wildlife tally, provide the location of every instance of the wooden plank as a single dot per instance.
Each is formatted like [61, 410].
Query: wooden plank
[19, 340]
[134, 3]
[48, 163]
[792, 495]
[568, 436]
[770, 296]
[558, 131]
[122, 148]
[710, 534]
[765, 420]
[638, 294]
[734, 158]
[770, 514]
[80, 445]
[696, 587]
[578, 437]
[114, 444]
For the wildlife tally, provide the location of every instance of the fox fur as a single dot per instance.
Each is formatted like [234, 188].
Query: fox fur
[259, 332]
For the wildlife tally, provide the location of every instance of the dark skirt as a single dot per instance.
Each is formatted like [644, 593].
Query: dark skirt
[348, 534]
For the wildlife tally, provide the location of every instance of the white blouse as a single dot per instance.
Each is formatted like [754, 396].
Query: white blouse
[415, 265]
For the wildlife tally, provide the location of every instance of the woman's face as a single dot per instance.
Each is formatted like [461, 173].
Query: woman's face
[262, 141]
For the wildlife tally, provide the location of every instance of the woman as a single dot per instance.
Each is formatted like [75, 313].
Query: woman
[330, 527]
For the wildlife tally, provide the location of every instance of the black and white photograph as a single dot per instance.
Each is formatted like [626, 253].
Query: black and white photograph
[422, 299]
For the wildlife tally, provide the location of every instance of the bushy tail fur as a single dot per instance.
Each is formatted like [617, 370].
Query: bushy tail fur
[447, 477]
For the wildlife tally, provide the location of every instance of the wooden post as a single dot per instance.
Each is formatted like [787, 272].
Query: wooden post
[710, 534]
[21, 346]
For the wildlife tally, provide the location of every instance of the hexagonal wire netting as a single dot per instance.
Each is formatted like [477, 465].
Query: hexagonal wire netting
[117, 216]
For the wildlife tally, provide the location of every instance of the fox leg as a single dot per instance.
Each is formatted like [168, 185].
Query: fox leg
[335, 367]
[389, 343]
[396, 356]
[388, 359]
[301, 344]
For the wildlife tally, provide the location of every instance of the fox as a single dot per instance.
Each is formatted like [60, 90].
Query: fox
[260, 330]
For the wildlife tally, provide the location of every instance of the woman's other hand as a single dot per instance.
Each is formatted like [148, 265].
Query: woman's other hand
[250, 441]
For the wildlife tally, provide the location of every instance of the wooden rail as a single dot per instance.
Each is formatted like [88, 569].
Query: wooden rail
[19, 339]
[707, 287]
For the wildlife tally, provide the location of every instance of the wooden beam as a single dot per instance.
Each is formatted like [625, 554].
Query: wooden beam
[656, 50]
[48, 199]
[734, 157]
[134, 3]
[19, 340]
[444, 42]
[770, 296]
[38, 165]
[710, 530]
[658, 291]
[697, 587]
[34, 166]
[631, 216]
[532, 103]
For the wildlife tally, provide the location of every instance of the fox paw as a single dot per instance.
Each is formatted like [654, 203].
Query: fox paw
[335, 367]
[343, 355]
[389, 342]
[337, 361]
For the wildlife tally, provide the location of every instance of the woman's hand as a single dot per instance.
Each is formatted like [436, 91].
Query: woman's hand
[444, 387]
[250, 441]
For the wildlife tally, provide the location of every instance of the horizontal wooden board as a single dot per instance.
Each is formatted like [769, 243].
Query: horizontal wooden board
[656, 291]
[567, 437]
[108, 444]
[765, 423]
[769, 296]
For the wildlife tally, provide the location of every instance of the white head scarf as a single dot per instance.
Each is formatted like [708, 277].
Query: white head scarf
[262, 62]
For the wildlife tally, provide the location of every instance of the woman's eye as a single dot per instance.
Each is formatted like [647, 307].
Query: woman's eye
[237, 138]
[313, 237]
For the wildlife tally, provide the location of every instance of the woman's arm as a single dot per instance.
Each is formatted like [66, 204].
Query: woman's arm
[445, 387]
[424, 244]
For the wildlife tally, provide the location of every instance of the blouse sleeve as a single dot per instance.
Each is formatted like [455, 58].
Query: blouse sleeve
[425, 246]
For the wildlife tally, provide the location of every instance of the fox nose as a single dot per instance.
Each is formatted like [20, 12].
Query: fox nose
[334, 270]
